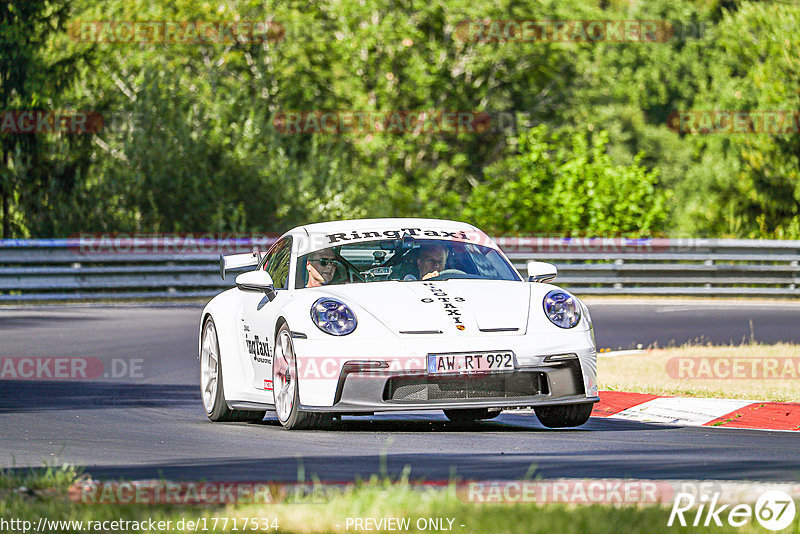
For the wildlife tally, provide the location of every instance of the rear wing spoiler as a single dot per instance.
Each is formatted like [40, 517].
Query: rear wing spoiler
[238, 261]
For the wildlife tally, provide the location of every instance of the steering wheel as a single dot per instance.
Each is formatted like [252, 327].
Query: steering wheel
[447, 272]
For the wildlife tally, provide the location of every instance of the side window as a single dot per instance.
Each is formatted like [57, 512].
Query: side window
[278, 263]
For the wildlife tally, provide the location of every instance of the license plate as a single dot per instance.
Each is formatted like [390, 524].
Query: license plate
[471, 362]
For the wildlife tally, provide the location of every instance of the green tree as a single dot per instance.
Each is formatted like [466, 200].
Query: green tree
[567, 185]
[205, 154]
[748, 185]
[39, 174]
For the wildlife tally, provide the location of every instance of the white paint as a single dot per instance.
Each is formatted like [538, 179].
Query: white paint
[681, 410]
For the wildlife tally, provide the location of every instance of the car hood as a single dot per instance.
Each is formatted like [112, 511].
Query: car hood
[446, 306]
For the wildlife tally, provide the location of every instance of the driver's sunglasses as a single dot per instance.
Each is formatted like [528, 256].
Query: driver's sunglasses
[324, 262]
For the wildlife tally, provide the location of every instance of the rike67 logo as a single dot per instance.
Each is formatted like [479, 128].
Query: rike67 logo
[774, 510]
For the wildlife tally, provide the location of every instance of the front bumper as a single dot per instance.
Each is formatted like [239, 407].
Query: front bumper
[364, 379]
[365, 390]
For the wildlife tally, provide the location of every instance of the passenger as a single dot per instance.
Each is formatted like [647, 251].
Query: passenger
[321, 266]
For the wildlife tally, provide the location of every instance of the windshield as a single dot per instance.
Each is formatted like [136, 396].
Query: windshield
[406, 260]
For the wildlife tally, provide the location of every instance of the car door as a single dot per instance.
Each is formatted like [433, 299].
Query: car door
[259, 314]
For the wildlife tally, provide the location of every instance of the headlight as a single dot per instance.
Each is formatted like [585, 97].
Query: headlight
[562, 309]
[333, 317]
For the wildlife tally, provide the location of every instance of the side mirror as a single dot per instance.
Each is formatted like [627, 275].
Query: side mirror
[539, 271]
[237, 261]
[256, 281]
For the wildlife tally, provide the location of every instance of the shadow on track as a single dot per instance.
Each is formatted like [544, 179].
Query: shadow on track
[42, 396]
[33, 321]
[437, 422]
[546, 459]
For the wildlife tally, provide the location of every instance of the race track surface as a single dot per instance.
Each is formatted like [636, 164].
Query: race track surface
[155, 426]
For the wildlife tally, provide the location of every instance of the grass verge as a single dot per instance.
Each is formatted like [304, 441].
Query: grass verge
[752, 371]
[45, 494]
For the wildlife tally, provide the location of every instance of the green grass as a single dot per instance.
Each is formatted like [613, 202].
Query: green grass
[44, 493]
[649, 372]
[50, 477]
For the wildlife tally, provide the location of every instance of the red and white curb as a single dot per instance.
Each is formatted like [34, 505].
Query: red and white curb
[729, 413]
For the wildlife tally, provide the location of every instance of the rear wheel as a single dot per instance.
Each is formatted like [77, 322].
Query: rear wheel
[285, 387]
[563, 416]
[471, 414]
[211, 387]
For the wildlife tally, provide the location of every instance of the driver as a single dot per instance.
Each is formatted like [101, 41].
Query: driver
[321, 266]
[432, 259]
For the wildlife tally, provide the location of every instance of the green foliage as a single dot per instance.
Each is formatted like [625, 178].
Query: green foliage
[47, 496]
[568, 185]
[204, 154]
[40, 177]
[752, 180]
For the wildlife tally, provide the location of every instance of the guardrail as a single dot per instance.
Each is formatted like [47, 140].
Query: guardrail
[70, 269]
[728, 267]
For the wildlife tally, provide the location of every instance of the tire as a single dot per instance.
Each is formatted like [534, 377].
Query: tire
[285, 390]
[562, 416]
[211, 384]
[468, 415]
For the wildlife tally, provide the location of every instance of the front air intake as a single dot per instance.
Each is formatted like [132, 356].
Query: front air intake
[459, 387]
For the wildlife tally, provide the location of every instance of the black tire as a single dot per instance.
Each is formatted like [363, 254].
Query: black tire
[297, 419]
[468, 415]
[220, 411]
[565, 415]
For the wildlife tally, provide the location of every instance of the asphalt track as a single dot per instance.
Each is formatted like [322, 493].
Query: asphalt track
[154, 426]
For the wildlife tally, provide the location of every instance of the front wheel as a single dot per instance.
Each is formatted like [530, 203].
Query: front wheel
[285, 387]
[211, 387]
[565, 415]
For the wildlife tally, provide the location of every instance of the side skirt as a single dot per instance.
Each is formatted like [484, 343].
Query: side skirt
[248, 405]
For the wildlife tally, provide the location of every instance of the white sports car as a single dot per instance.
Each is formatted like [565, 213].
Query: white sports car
[356, 317]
